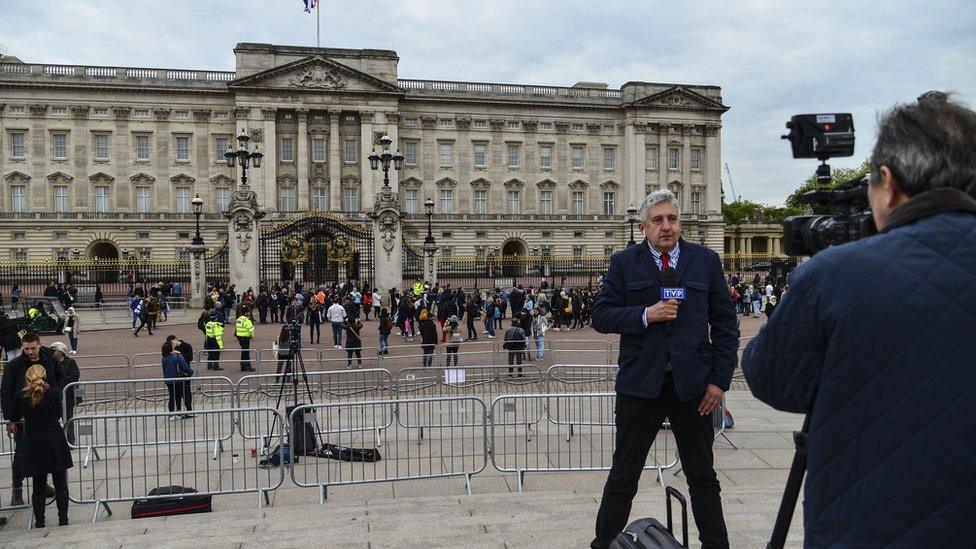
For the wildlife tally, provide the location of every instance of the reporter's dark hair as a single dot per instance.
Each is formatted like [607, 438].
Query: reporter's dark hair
[928, 145]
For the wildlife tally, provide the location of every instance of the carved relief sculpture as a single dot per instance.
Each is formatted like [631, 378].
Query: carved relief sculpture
[243, 227]
[388, 231]
[319, 78]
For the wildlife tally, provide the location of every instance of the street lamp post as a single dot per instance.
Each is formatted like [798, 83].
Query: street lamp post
[197, 203]
[384, 158]
[242, 155]
[430, 246]
[631, 220]
[429, 209]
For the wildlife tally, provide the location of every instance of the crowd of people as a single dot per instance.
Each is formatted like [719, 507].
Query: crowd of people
[758, 296]
[437, 314]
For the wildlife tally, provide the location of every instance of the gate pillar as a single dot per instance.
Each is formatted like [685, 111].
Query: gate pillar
[243, 237]
[198, 274]
[387, 240]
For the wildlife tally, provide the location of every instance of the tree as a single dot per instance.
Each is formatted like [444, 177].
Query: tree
[838, 176]
[745, 211]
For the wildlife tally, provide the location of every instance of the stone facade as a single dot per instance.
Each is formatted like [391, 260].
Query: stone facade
[101, 157]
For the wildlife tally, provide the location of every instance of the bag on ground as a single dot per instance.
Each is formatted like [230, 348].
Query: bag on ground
[183, 501]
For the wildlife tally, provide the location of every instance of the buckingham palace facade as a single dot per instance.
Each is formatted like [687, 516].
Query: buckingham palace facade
[100, 159]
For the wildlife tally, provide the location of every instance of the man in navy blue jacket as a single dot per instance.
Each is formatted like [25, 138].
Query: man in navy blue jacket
[876, 340]
[676, 362]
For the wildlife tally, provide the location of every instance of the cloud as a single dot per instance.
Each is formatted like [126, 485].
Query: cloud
[772, 59]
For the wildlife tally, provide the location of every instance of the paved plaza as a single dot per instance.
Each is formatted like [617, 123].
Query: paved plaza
[553, 509]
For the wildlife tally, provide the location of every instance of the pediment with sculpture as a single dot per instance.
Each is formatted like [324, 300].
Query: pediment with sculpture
[680, 98]
[316, 73]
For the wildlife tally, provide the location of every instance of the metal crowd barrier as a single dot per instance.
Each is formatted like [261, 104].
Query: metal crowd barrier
[516, 449]
[577, 378]
[338, 359]
[7, 448]
[581, 351]
[97, 398]
[148, 450]
[107, 367]
[263, 390]
[455, 447]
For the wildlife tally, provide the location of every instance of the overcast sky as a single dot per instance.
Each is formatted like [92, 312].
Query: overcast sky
[771, 58]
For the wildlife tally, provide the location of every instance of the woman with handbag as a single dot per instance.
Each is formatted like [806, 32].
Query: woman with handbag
[177, 373]
[71, 328]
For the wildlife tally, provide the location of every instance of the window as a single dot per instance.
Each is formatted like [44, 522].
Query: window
[545, 125]
[576, 127]
[672, 158]
[102, 199]
[608, 128]
[20, 236]
[480, 252]
[17, 149]
[608, 200]
[145, 253]
[481, 202]
[286, 199]
[221, 115]
[101, 111]
[19, 109]
[318, 149]
[141, 113]
[512, 125]
[447, 201]
[608, 234]
[513, 202]
[479, 123]
[545, 202]
[184, 255]
[181, 114]
[182, 148]
[650, 158]
[445, 123]
[319, 199]
[183, 200]
[409, 121]
[545, 156]
[142, 200]
[608, 251]
[61, 235]
[101, 146]
[287, 149]
[447, 154]
[410, 201]
[577, 202]
[142, 148]
[61, 198]
[220, 147]
[349, 150]
[577, 254]
[479, 154]
[142, 236]
[546, 234]
[513, 156]
[59, 111]
[609, 157]
[60, 141]
[61, 255]
[410, 153]
[18, 198]
[696, 159]
[577, 157]
[223, 199]
[695, 201]
[351, 198]
[183, 235]
[481, 234]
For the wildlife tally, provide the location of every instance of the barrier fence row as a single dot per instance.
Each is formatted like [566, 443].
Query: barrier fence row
[273, 360]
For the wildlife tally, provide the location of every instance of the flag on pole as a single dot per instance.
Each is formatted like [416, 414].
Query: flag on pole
[309, 5]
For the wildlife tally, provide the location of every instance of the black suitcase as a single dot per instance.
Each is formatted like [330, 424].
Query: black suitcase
[649, 533]
[183, 502]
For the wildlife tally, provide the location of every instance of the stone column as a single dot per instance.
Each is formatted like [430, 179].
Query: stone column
[335, 163]
[365, 149]
[686, 167]
[639, 174]
[198, 275]
[387, 241]
[628, 159]
[430, 263]
[269, 192]
[243, 238]
[662, 150]
[303, 190]
[713, 168]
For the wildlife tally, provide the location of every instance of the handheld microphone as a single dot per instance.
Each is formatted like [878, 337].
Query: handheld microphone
[670, 290]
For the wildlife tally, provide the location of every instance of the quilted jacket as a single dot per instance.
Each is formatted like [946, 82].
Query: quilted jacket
[876, 340]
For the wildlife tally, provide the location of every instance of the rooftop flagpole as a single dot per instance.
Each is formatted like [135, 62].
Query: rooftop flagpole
[318, 24]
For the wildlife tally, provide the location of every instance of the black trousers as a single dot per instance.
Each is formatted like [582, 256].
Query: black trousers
[245, 343]
[60, 494]
[179, 394]
[638, 421]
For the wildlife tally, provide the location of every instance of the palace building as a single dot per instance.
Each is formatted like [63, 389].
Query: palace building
[97, 160]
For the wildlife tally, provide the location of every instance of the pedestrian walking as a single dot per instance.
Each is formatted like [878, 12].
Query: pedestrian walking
[144, 320]
[337, 317]
[72, 328]
[428, 337]
[354, 342]
[514, 343]
[386, 326]
[315, 318]
[540, 325]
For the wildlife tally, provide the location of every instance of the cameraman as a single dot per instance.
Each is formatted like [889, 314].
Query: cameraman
[875, 342]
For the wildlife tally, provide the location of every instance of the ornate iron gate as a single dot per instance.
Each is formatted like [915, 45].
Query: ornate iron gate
[317, 248]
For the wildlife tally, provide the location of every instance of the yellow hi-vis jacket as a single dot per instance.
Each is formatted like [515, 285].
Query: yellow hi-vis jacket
[244, 327]
[215, 330]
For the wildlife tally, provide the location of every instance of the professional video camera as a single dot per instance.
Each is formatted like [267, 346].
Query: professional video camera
[823, 136]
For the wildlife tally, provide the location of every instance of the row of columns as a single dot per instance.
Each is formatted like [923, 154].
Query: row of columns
[743, 245]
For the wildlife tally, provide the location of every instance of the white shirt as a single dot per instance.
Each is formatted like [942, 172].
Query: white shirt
[377, 298]
[336, 313]
[769, 290]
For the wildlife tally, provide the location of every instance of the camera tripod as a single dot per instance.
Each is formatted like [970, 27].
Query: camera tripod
[289, 373]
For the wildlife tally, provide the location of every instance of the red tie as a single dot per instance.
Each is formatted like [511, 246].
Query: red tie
[665, 261]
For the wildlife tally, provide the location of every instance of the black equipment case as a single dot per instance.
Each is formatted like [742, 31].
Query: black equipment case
[184, 501]
[649, 533]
